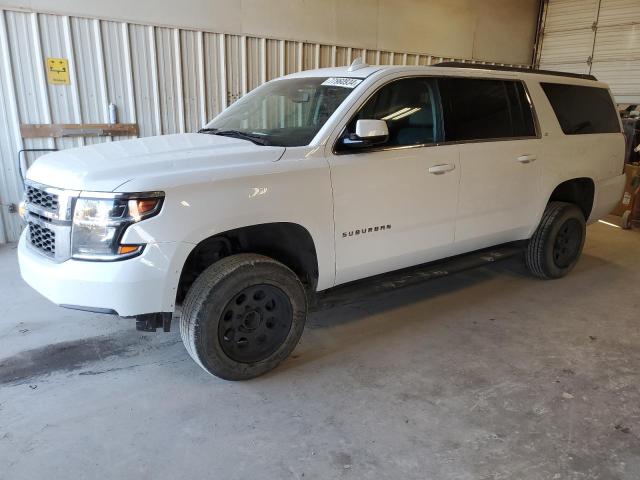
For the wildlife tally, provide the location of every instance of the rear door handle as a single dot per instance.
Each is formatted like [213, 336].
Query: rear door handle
[526, 158]
[440, 169]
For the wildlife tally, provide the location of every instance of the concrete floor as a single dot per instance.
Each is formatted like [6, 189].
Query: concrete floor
[488, 374]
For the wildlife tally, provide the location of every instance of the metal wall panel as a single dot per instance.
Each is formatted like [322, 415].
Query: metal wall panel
[168, 80]
[214, 76]
[192, 59]
[90, 78]
[564, 15]
[10, 141]
[26, 60]
[117, 60]
[63, 99]
[567, 49]
[145, 79]
[619, 12]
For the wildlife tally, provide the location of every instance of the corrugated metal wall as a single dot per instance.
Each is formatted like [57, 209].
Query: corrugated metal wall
[601, 37]
[168, 80]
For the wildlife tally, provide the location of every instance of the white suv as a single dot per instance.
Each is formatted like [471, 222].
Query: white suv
[314, 180]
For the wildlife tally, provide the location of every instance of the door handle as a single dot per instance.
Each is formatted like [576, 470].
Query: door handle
[526, 158]
[440, 169]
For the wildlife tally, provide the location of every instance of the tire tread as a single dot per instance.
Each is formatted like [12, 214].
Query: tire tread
[535, 253]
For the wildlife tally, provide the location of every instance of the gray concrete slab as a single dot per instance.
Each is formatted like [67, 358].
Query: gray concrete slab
[489, 374]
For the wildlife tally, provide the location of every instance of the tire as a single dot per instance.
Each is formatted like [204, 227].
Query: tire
[243, 316]
[556, 245]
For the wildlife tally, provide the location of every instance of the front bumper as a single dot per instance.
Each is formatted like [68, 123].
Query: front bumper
[144, 284]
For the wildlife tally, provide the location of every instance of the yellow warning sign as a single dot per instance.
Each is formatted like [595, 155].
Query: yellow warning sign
[58, 71]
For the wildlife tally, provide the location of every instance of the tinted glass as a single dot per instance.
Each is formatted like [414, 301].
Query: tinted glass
[285, 112]
[582, 110]
[408, 108]
[476, 109]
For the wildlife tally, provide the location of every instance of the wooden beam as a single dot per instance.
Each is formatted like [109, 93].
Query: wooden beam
[59, 130]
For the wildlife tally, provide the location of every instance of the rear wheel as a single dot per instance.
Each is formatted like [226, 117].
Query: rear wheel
[557, 243]
[243, 316]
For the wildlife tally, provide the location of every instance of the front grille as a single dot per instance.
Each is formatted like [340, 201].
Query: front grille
[41, 198]
[42, 238]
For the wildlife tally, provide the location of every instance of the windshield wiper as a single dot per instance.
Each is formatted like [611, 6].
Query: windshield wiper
[257, 139]
[208, 130]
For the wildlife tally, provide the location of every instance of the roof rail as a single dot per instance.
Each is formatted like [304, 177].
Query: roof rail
[480, 66]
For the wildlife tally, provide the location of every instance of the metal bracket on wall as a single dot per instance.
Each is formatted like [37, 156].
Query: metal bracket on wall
[60, 130]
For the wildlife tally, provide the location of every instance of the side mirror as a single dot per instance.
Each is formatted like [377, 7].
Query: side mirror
[368, 133]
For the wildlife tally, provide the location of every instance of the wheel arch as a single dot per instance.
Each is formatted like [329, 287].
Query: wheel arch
[289, 243]
[579, 191]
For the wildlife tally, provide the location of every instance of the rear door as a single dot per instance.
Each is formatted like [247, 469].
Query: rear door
[395, 203]
[493, 123]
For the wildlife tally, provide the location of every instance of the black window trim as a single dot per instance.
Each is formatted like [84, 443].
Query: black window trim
[382, 148]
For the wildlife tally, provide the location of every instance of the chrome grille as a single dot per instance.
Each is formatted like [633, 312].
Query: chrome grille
[49, 213]
[43, 238]
[42, 198]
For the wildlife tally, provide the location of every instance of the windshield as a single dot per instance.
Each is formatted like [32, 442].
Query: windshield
[285, 113]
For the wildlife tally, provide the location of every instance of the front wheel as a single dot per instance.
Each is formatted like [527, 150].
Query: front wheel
[557, 243]
[243, 316]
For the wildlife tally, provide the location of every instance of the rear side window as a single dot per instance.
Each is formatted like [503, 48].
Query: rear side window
[480, 109]
[582, 110]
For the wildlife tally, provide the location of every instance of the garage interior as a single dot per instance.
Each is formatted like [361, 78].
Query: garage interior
[486, 374]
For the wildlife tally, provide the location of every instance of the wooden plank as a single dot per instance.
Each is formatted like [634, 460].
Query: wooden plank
[59, 130]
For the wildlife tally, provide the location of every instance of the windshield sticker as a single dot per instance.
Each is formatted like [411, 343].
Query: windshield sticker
[342, 82]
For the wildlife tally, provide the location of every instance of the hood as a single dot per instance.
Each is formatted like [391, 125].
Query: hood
[105, 166]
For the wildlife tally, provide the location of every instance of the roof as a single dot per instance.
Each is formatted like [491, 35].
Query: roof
[452, 68]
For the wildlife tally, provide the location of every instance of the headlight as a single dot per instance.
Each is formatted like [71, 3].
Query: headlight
[99, 222]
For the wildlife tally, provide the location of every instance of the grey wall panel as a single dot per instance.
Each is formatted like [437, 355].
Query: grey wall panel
[29, 75]
[326, 56]
[145, 79]
[274, 58]
[256, 66]
[168, 70]
[117, 52]
[214, 74]
[63, 99]
[10, 141]
[192, 59]
[90, 77]
[234, 66]
[168, 80]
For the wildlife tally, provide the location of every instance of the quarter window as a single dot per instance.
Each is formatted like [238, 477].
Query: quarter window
[409, 108]
[581, 109]
[479, 109]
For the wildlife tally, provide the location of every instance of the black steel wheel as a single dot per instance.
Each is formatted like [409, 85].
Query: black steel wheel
[568, 243]
[255, 323]
[556, 245]
[243, 316]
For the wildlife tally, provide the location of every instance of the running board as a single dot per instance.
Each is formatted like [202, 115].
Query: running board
[354, 291]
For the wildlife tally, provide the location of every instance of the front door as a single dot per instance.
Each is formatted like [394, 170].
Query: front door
[395, 204]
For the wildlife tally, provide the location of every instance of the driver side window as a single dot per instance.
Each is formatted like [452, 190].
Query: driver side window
[408, 106]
